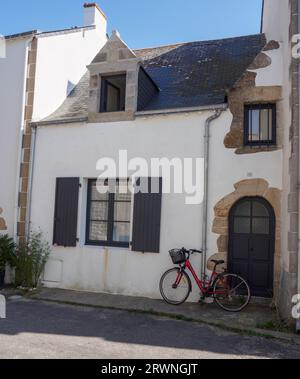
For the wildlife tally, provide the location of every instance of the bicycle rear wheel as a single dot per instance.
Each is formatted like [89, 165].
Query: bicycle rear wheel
[231, 292]
[175, 286]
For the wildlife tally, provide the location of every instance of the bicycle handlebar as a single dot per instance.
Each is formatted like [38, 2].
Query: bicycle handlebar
[192, 251]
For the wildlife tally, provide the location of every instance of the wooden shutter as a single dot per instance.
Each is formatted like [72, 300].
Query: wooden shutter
[66, 212]
[147, 218]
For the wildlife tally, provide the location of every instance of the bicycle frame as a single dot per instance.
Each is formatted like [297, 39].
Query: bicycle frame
[204, 286]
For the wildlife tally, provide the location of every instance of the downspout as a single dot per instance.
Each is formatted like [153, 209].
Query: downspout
[298, 321]
[30, 181]
[217, 114]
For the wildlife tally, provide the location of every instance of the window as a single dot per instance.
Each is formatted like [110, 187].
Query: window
[108, 215]
[113, 93]
[251, 217]
[260, 124]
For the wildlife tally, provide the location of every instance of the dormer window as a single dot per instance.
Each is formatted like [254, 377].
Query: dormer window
[113, 93]
[119, 85]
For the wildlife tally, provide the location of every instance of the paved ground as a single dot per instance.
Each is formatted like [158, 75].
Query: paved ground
[43, 330]
[251, 317]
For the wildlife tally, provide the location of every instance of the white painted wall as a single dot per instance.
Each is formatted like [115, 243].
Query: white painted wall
[271, 75]
[61, 62]
[74, 151]
[12, 89]
[276, 19]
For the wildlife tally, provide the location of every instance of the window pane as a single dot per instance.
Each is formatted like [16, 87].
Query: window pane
[271, 124]
[121, 232]
[242, 225]
[265, 134]
[97, 195]
[260, 225]
[113, 98]
[244, 209]
[254, 126]
[99, 211]
[98, 231]
[123, 197]
[114, 93]
[259, 210]
[122, 211]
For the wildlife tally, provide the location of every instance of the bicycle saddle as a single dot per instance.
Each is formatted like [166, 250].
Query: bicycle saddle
[217, 262]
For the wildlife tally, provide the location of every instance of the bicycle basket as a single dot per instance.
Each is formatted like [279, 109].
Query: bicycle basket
[177, 256]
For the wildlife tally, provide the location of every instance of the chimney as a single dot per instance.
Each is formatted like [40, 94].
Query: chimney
[93, 15]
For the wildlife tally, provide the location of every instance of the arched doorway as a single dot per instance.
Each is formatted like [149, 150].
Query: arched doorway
[252, 244]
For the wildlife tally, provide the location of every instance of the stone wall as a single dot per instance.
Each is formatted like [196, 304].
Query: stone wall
[244, 92]
[247, 188]
[290, 269]
[113, 59]
[26, 144]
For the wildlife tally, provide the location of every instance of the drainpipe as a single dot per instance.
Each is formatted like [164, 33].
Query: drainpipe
[30, 181]
[298, 321]
[208, 122]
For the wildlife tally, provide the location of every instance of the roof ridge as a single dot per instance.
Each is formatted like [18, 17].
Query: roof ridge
[200, 41]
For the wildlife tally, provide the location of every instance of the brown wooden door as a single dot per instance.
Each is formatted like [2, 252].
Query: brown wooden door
[252, 244]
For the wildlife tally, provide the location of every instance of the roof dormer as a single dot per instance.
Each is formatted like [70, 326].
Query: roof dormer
[114, 77]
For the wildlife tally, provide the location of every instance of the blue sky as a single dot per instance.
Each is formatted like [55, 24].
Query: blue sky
[141, 23]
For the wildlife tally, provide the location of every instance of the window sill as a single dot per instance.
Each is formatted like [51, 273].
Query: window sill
[107, 246]
[261, 145]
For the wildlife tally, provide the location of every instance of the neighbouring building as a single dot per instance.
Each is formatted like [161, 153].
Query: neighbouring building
[232, 102]
[281, 23]
[39, 71]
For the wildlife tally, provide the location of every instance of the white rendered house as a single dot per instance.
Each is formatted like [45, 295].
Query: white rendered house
[228, 106]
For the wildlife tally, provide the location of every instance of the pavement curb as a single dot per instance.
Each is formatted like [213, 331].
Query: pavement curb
[251, 331]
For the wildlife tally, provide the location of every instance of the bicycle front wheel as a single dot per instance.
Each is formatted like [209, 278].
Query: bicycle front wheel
[175, 286]
[231, 292]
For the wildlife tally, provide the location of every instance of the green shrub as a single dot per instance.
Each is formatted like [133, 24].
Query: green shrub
[7, 251]
[30, 260]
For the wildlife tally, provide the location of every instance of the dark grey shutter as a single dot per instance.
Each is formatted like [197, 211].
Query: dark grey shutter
[147, 218]
[66, 212]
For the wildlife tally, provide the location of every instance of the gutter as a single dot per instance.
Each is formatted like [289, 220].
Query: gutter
[182, 110]
[216, 115]
[58, 122]
[137, 114]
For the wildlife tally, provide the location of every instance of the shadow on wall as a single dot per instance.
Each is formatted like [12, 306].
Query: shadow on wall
[70, 87]
[2, 221]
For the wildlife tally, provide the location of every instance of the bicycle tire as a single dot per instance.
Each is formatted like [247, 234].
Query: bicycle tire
[247, 296]
[188, 289]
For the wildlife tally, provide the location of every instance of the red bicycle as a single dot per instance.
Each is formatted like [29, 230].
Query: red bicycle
[231, 292]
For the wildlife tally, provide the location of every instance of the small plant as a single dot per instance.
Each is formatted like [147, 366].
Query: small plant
[30, 260]
[7, 249]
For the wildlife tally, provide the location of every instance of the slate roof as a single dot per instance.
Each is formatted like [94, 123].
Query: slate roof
[189, 74]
